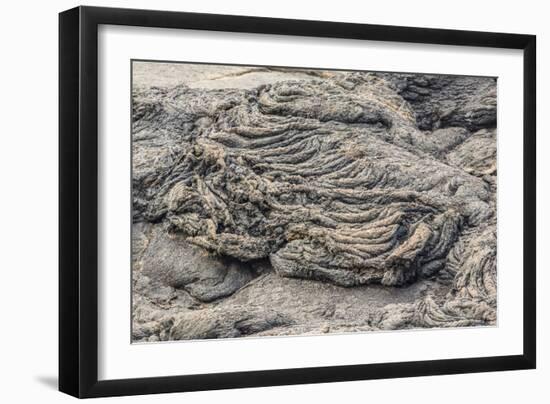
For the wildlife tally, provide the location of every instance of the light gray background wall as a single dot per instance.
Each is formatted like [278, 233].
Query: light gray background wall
[28, 183]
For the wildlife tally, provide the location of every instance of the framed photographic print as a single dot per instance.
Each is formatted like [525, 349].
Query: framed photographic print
[251, 201]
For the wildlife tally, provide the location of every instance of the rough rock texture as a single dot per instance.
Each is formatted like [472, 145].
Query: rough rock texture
[281, 202]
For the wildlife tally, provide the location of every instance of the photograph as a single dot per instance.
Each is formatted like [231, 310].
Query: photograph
[287, 201]
[266, 203]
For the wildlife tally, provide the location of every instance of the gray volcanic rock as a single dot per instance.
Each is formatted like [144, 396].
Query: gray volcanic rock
[223, 323]
[477, 155]
[171, 261]
[355, 179]
[445, 101]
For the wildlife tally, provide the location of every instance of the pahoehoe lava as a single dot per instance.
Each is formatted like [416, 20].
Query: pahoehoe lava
[333, 202]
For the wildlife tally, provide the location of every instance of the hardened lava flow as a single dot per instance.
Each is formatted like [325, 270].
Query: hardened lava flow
[291, 202]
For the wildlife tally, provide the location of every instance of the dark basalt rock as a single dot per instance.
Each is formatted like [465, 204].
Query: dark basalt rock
[446, 101]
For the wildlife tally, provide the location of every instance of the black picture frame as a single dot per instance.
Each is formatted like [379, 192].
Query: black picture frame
[78, 201]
